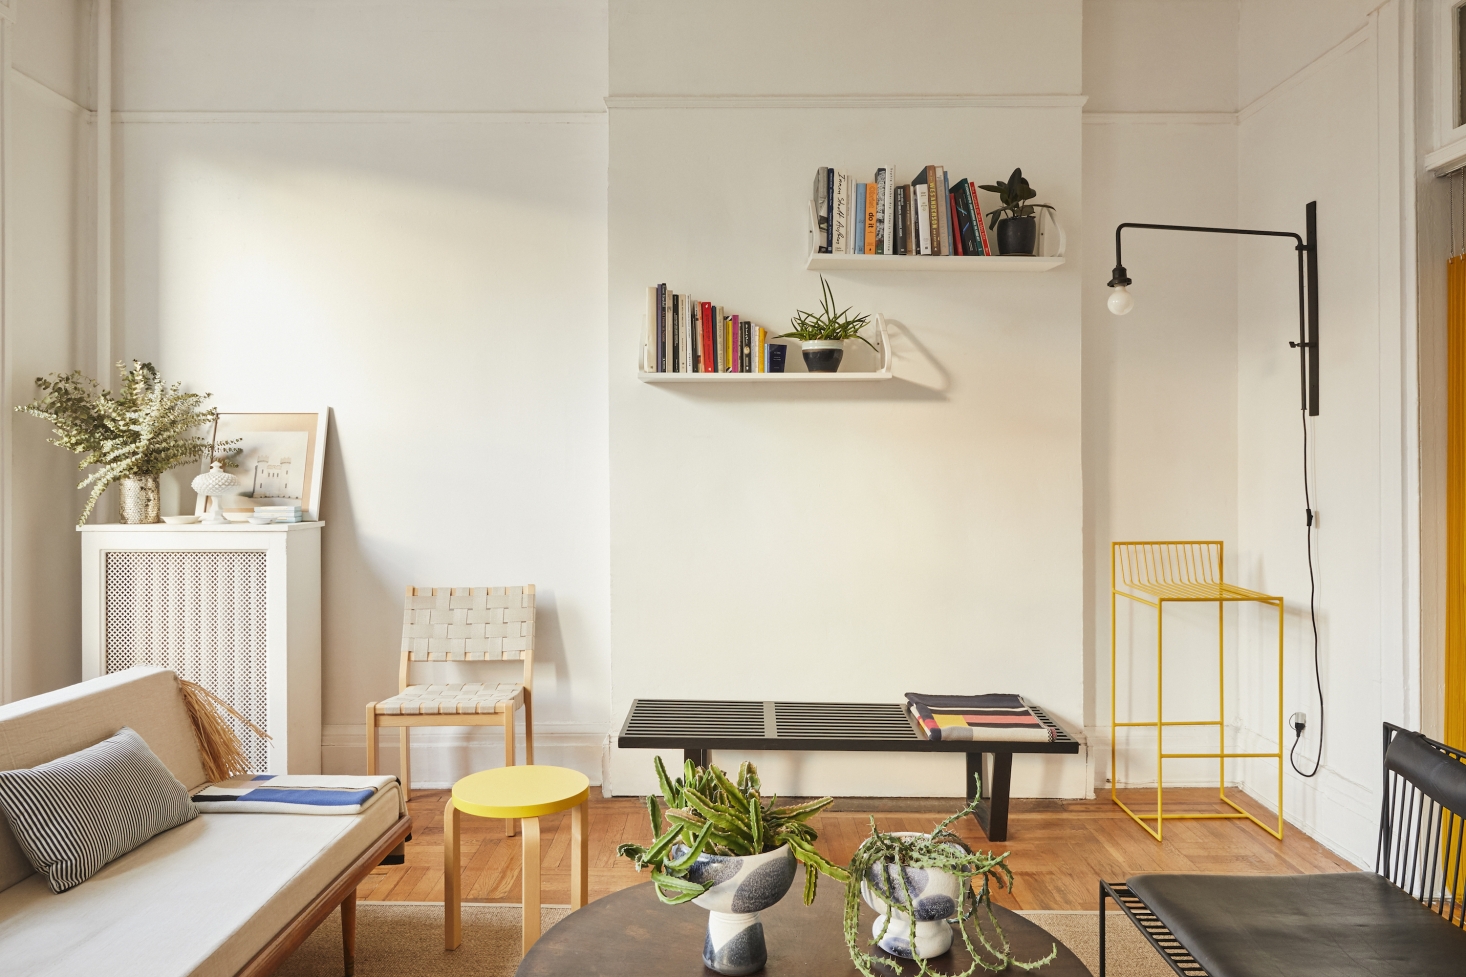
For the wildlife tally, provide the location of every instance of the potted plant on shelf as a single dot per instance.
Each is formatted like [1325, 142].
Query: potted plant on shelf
[822, 334]
[145, 429]
[725, 848]
[919, 884]
[1018, 230]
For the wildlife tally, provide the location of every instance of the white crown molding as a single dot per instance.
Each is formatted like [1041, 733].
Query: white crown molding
[357, 118]
[1447, 159]
[844, 101]
[1160, 118]
[45, 93]
[1329, 57]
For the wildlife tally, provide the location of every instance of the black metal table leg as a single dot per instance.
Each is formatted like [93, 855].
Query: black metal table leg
[698, 757]
[992, 813]
[1102, 929]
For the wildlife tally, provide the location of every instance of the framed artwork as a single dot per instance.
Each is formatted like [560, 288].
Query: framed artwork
[279, 459]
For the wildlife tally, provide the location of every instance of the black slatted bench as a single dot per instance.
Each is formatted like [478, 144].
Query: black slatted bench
[699, 726]
[1407, 917]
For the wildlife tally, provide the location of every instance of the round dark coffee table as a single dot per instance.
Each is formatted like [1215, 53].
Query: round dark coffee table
[630, 934]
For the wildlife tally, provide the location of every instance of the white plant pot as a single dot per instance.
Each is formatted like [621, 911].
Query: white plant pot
[935, 895]
[745, 885]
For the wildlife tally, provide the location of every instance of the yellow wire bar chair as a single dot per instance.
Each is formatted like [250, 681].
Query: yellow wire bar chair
[1185, 571]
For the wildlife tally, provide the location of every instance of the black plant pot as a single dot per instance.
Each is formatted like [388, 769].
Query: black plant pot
[1017, 235]
[825, 357]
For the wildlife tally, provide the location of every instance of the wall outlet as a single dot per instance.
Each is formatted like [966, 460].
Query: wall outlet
[1299, 722]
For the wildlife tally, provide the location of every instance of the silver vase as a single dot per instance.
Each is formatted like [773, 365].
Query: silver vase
[140, 500]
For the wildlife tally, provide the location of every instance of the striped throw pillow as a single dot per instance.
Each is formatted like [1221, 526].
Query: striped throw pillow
[76, 813]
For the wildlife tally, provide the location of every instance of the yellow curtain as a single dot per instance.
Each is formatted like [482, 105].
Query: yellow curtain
[1455, 726]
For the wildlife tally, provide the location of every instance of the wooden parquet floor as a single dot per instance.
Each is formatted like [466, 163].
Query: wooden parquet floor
[1060, 849]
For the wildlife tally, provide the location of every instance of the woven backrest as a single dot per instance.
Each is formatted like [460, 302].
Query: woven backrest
[468, 624]
[1139, 565]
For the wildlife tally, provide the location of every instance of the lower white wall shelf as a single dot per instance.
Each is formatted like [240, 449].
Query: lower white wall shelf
[793, 359]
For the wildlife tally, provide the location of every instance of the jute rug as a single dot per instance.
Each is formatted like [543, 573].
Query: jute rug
[405, 939]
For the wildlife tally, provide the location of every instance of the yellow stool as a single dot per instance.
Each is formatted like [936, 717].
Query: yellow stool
[517, 792]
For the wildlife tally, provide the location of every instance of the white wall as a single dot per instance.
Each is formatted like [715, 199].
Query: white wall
[424, 252]
[853, 541]
[1334, 131]
[46, 149]
[1160, 437]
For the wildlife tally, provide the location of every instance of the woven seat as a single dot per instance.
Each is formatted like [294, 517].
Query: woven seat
[461, 699]
[455, 628]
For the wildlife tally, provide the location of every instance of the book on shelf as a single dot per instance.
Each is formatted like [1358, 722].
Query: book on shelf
[933, 214]
[687, 335]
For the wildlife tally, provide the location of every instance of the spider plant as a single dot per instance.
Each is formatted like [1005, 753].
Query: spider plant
[709, 813]
[827, 324]
[977, 873]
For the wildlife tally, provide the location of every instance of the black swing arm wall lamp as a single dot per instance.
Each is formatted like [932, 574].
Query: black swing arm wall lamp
[1121, 301]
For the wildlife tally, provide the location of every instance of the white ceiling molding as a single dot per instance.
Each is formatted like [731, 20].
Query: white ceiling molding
[357, 118]
[844, 101]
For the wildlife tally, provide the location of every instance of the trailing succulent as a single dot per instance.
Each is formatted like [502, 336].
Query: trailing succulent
[827, 324]
[1015, 194]
[882, 861]
[146, 428]
[708, 813]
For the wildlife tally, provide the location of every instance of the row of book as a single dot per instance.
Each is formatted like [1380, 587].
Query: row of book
[685, 335]
[929, 215]
[279, 513]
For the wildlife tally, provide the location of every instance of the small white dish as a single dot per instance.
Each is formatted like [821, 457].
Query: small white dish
[260, 520]
[238, 515]
[180, 520]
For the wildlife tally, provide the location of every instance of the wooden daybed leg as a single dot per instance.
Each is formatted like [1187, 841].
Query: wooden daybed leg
[348, 932]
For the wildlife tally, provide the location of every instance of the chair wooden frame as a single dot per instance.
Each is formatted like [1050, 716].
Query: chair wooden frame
[505, 718]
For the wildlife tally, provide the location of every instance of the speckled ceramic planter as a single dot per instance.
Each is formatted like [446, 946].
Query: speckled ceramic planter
[743, 886]
[934, 894]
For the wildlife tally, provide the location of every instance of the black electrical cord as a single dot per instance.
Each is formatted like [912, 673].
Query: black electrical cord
[1313, 617]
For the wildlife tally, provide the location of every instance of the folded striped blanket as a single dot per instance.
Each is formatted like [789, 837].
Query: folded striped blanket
[294, 794]
[978, 717]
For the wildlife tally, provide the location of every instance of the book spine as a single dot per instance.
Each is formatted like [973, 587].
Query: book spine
[736, 331]
[674, 329]
[746, 338]
[694, 337]
[880, 188]
[967, 232]
[842, 213]
[778, 352]
[649, 337]
[821, 211]
[829, 192]
[933, 213]
[871, 198]
[858, 214]
[982, 227]
[760, 347]
[705, 329]
[905, 225]
[944, 203]
[684, 322]
[888, 201]
[923, 220]
[662, 328]
[952, 219]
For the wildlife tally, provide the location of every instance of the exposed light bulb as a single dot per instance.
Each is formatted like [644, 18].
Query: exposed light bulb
[1120, 301]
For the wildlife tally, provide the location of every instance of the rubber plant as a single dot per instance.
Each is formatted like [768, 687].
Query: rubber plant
[146, 428]
[1015, 193]
[709, 813]
[827, 324]
[977, 873]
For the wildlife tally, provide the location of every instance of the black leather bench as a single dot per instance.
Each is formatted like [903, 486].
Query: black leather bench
[699, 726]
[1401, 919]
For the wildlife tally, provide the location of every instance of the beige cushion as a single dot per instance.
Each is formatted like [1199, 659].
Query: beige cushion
[44, 727]
[468, 699]
[199, 900]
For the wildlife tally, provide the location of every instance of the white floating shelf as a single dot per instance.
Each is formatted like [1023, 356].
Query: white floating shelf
[914, 262]
[884, 373]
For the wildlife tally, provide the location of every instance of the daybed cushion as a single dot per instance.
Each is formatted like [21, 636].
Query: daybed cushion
[76, 813]
[200, 900]
[1347, 925]
[44, 727]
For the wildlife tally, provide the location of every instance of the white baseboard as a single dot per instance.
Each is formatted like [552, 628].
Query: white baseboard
[441, 755]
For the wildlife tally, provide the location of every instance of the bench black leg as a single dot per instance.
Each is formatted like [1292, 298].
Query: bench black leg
[698, 757]
[992, 813]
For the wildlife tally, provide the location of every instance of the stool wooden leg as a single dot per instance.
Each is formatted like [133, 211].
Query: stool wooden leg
[509, 823]
[528, 731]
[529, 872]
[348, 932]
[371, 730]
[579, 855]
[452, 882]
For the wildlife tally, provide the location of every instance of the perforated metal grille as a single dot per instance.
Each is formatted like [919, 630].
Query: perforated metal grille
[201, 614]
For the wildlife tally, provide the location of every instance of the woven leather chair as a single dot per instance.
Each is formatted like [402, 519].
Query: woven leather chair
[461, 625]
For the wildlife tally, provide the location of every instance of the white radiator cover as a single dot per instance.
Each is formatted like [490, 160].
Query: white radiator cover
[235, 608]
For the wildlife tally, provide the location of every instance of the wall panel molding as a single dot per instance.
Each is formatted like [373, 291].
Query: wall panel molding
[844, 101]
[1303, 74]
[47, 94]
[1161, 118]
